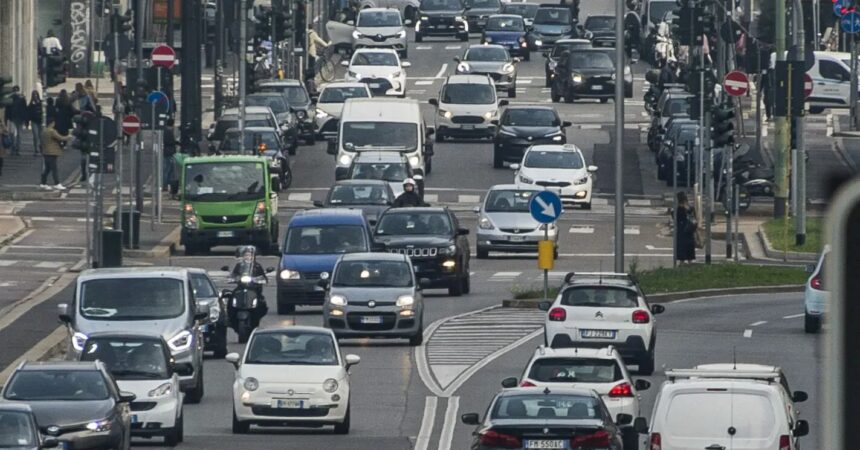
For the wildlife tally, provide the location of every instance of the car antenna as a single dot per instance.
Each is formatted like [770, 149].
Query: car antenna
[601, 272]
[734, 357]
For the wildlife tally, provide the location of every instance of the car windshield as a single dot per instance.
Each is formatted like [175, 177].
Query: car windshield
[374, 59]
[358, 195]
[537, 159]
[61, 385]
[16, 430]
[412, 223]
[128, 359]
[505, 24]
[303, 348]
[558, 49]
[508, 200]
[530, 118]
[394, 274]
[380, 134]
[468, 94]
[223, 181]
[341, 94]
[546, 406]
[141, 299]
[441, 5]
[380, 171]
[378, 19]
[552, 16]
[296, 95]
[494, 54]
[600, 297]
[575, 370]
[226, 123]
[526, 10]
[253, 142]
[275, 102]
[590, 60]
[474, 4]
[658, 10]
[325, 239]
[600, 23]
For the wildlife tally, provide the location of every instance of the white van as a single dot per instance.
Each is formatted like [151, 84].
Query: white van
[831, 81]
[382, 124]
[728, 409]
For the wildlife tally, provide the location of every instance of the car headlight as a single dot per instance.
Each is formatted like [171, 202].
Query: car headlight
[191, 222]
[401, 34]
[489, 115]
[508, 133]
[396, 74]
[485, 224]
[538, 42]
[245, 279]
[557, 138]
[99, 426]
[446, 114]
[356, 35]
[460, 19]
[161, 390]
[180, 342]
[488, 39]
[251, 384]
[464, 67]
[355, 75]
[345, 159]
[526, 180]
[449, 250]
[337, 300]
[405, 301]
[78, 341]
[330, 385]
[321, 114]
[288, 274]
[414, 161]
[612, 77]
[425, 18]
[577, 78]
[581, 181]
[508, 68]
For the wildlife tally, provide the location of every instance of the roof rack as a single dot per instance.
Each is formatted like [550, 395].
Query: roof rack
[601, 275]
[763, 375]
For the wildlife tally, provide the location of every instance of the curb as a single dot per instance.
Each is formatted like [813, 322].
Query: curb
[164, 248]
[8, 237]
[839, 145]
[780, 255]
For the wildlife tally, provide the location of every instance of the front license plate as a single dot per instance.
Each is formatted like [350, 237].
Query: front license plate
[134, 418]
[289, 404]
[544, 443]
[597, 334]
[517, 238]
[597, 88]
[375, 320]
[374, 85]
[468, 127]
[225, 234]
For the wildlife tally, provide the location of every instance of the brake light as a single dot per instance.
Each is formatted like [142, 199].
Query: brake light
[596, 439]
[784, 442]
[656, 442]
[526, 383]
[622, 390]
[641, 316]
[557, 315]
[817, 283]
[492, 438]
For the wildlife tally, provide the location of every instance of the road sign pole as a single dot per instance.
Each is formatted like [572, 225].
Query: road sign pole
[131, 194]
[855, 118]
[675, 209]
[546, 271]
[800, 158]
[619, 137]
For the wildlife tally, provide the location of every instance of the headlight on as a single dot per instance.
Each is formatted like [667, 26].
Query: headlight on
[78, 341]
[425, 18]
[180, 342]
[460, 19]
[356, 35]
[405, 301]
[191, 222]
[538, 42]
[581, 181]
[251, 384]
[508, 68]
[99, 426]
[485, 224]
[414, 161]
[345, 159]
[489, 115]
[577, 78]
[330, 385]
[302, 115]
[337, 300]
[162, 390]
[321, 114]
[552, 65]
[288, 274]
[446, 114]
[507, 133]
[526, 180]
[612, 77]
[259, 218]
[401, 34]
[449, 250]
[463, 67]
[557, 138]
[245, 279]
[488, 39]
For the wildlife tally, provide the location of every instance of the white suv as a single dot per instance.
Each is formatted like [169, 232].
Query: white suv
[597, 309]
[466, 107]
[815, 295]
[557, 167]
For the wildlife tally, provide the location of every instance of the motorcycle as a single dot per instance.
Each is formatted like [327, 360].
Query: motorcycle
[246, 305]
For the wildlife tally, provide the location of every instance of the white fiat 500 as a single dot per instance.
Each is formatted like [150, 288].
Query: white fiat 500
[380, 68]
[291, 376]
[557, 167]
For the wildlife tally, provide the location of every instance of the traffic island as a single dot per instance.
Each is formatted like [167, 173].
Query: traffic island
[778, 239]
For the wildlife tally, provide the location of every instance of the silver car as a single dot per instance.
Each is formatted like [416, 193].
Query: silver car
[380, 27]
[330, 104]
[506, 225]
[375, 295]
[493, 61]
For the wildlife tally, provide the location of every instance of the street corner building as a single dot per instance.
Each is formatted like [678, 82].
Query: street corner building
[19, 41]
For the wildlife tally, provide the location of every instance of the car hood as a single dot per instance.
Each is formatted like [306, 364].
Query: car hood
[375, 71]
[535, 132]
[310, 263]
[551, 29]
[275, 374]
[417, 241]
[371, 293]
[66, 413]
[485, 66]
[446, 13]
[520, 220]
[468, 110]
[167, 328]
[554, 174]
[384, 31]
[140, 388]
[332, 109]
[504, 36]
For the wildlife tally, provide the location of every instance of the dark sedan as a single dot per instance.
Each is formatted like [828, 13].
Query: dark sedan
[19, 430]
[628, 72]
[300, 103]
[286, 117]
[372, 197]
[523, 126]
[588, 74]
[441, 18]
[479, 11]
[492, 60]
[553, 56]
[600, 30]
[525, 10]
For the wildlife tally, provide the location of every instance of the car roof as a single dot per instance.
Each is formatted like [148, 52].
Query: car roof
[741, 367]
[513, 187]
[58, 365]
[15, 407]
[554, 148]
[393, 109]
[417, 209]
[375, 156]
[608, 352]
[378, 10]
[468, 79]
[137, 272]
[287, 82]
[328, 216]
[515, 107]
[539, 391]
[375, 50]
[360, 182]
[369, 256]
[304, 328]
[506, 16]
[343, 84]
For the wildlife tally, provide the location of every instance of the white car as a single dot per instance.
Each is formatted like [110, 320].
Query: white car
[815, 296]
[330, 104]
[381, 69]
[291, 376]
[558, 167]
[597, 309]
[466, 107]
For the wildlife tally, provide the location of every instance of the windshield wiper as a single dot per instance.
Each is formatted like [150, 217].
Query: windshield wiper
[139, 373]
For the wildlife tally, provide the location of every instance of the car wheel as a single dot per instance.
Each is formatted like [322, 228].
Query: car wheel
[604, 100]
[568, 98]
[646, 364]
[286, 178]
[483, 254]
[527, 56]
[194, 396]
[512, 91]
[174, 435]
[405, 53]
[498, 162]
[547, 80]
[240, 427]
[555, 253]
[467, 283]
[811, 324]
[418, 338]
[586, 206]
[428, 165]
[343, 427]
[292, 149]
[418, 37]
[630, 438]
[554, 96]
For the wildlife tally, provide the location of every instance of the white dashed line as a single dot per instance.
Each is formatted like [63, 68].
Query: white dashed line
[524, 81]
[442, 70]
[431, 198]
[423, 47]
[760, 322]
[300, 196]
[747, 333]
[794, 316]
[453, 47]
[631, 230]
[581, 229]
[424, 82]
[463, 198]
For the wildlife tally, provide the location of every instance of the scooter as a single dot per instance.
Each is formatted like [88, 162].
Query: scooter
[246, 305]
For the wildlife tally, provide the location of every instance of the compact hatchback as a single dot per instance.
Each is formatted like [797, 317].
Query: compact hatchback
[380, 69]
[19, 430]
[380, 27]
[558, 167]
[521, 127]
[509, 31]
[330, 104]
[506, 225]
[587, 74]
[466, 107]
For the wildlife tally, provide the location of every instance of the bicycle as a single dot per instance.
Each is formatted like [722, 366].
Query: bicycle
[325, 65]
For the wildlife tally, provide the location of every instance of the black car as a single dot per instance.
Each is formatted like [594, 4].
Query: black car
[561, 418]
[286, 117]
[441, 18]
[525, 10]
[300, 103]
[230, 120]
[478, 11]
[19, 430]
[600, 30]
[551, 23]
[523, 126]
[433, 240]
[588, 74]
[215, 328]
[260, 141]
[553, 55]
[628, 72]
[75, 402]
[372, 197]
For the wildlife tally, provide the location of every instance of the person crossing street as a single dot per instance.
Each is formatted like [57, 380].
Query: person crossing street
[51, 139]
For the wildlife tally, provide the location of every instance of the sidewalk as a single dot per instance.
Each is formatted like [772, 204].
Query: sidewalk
[22, 174]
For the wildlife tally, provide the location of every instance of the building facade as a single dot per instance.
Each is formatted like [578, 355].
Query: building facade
[19, 44]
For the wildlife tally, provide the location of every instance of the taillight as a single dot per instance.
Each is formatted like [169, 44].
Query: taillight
[817, 283]
[526, 383]
[641, 316]
[656, 442]
[492, 438]
[596, 439]
[622, 390]
[557, 315]
[784, 442]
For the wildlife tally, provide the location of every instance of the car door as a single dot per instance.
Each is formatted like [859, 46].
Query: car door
[339, 33]
[834, 83]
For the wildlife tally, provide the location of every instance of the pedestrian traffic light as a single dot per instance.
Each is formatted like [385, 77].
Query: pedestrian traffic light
[81, 133]
[5, 90]
[55, 69]
[722, 127]
[122, 23]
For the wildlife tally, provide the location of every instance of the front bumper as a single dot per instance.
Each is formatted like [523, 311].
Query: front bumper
[306, 127]
[442, 28]
[188, 381]
[327, 126]
[435, 270]
[572, 194]
[300, 292]
[380, 86]
[154, 417]
[477, 23]
[630, 349]
[500, 241]
[515, 48]
[390, 322]
[87, 439]
[546, 40]
[394, 43]
[603, 42]
[318, 407]
[224, 236]
[593, 89]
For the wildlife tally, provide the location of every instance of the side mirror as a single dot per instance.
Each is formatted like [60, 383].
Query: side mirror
[318, 204]
[640, 425]
[510, 382]
[476, 209]
[623, 419]
[657, 309]
[183, 369]
[63, 312]
[424, 283]
[592, 169]
[344, 63]
[405, 64]
[407, 22]
[350, 22]
[50, 442]
[799, 396]
[495, 122]
[351, 360]
[544, 306]
[433, 102]
[462, 232]
[801, 428]
[202, 311]
[323, 284]
[642, 385]
[456, 59]
[233, 358]
[126, 397]
[514, 166]
[566, 124]
[470, 419]
[504, 102]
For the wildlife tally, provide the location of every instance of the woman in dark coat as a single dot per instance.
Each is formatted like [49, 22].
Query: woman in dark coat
[64, 112]
[34, 118]
[685, 230]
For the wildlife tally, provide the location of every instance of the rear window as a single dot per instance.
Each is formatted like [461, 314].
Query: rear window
[710, 414]
[573, 370]
[547, 407]
[599, 297]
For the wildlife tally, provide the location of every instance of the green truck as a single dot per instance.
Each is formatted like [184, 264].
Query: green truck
[228, 200]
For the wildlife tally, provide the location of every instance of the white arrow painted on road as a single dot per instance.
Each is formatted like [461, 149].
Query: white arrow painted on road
[548, 209]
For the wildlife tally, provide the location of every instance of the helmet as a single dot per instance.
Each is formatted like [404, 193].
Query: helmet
[672, 60]
[409, 181]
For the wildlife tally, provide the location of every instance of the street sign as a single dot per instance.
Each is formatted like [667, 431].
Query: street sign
[159, 99]
[851, 22]
[837, 7]
[545, 206]
[163, 56]
[807, 85]
[736, 83]
[130, 124]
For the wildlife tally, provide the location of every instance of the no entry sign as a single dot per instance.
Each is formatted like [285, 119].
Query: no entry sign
[736, 83]
[130, 124]
[163, 56]
[807, 85]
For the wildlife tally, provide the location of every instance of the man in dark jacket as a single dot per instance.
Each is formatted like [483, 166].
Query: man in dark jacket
[168, 151]
[16, 114]
[669, 73]
[409, 197]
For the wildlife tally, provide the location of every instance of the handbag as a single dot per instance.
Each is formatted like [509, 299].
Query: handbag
[6, 142]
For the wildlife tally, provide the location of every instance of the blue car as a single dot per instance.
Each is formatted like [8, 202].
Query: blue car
[315, 240]
[509, 31]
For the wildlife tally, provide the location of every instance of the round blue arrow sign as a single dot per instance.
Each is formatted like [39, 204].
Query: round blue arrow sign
[545, 206]
[157, 97]
[851, 22]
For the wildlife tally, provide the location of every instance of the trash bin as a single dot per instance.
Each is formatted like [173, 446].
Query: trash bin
[111, 248]
[125, 228]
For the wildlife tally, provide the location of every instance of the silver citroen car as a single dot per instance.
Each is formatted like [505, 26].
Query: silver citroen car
[506, 225]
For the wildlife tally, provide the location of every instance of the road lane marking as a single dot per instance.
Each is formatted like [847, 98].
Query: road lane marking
[431, 198]
[581, 229]
[653, 248]
[633, 230]
[453, 47]
[450, 421]
[760, 322]
[49, 265]
[424, 82]
[504, 276]
[794, 316]
[423, 47]
[442, 70]
[7, 263]
[463, 198]
[300, 196]
[747, 333]
[519, 81]
[427, 422]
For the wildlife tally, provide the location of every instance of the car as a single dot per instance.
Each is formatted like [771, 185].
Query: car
[292, 376]
[77, 403]
[604, 309]
[441, 18]
[375, 295]
[831, 81]
[432, 238]
[372, 197]
[466, 107]
[479, 11]
[408, 8]
[215, 326]
[330, 104]
[230, 119]
[599, 369]
[600, 30]
[628, 72]
[678, 152]
[380, 69]
[551, 23]
[506, 225]
[558, 418]
[589, 74]
[380, 27]
[300, 103]
[509, 31]
[521, 127]
[18, 429]
[391, 167]
[560, 167]
[314, 240]
[493, 61]
[523, 9]
[289, 126]
[261, 141]
[694, 399]
[141, 364]
[552, 56]
[816, 297]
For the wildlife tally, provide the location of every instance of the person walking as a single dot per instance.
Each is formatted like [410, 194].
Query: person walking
[685, 230]
[51, 139]
[91, 91]
[64, 112]
[16, 115]
[83, 99]
[169, 146]
[34, 117]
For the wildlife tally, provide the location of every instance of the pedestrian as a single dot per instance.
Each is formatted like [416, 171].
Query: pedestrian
[669, 73]
[168, 153]
[16, 115]
[50, 108]
[315, 44]
[65, 111]
[51, 139]
[52, 44]
[83, 99]
[34, 116]
[5, 143]
[685, 230]
[91, 91]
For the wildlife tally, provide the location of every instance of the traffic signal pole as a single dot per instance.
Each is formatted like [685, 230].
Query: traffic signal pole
[781, 127]
[243, 52]
[800, 160]
[619, 137]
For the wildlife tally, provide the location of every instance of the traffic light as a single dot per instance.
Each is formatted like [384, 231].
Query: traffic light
[263, 26]
[722, 126]
[122, 23]
[103, 7]
[282, 20]
[300, 21]
[55, 69]
[682, 28]
[703, 25]
[83, 123]
[5, 90]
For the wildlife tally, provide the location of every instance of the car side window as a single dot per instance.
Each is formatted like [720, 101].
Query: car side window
[454, 222]
[832, 71]
[203, 286]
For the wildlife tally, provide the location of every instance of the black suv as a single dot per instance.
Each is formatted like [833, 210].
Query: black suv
[479, 11]
[433, 240]
[524, 126]
[588, 74]
[441, 18]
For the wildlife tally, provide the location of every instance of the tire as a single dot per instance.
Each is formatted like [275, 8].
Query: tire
[312, 139]
[512, 92]
[554, 96]
[630, 438]
[498, 162]
[418, 339]
[286, 179]
[418, 37]
[286, 309]
[467, 283]
[405, 53]
[221, 352]
[175, 435]
[244, 331]
[326, 70]
[811, 324]
[568, 98]
[343, 427]
[240, 427]
[292, 149]
[646, 364]
[483, 254]
[604, 100]
[428, 166]
[527, 56]
[193, 396]
[547, 80]
[586, 206]
[456, 288]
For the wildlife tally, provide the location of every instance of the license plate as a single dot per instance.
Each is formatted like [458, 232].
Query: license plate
[371, 319]
[65, 445]
[597, 88]
[134, 418]
[225, 234]
[544, 443]
[468, 127]
[374, 85]
[597, 334]
[517, 238]
[289, 404]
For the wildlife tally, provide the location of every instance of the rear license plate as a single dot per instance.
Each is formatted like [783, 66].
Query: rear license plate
[597, 87]
[376, 320]
[544, 443]
[289, 404]
[597, 334]
[375, 85]
[225, 234]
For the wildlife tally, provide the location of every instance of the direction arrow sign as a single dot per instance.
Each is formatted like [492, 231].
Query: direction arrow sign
[163, 56]
[158, 98]
[130, 124]
[851, 22]
[807, 85]
[736, 83]
[545, 206]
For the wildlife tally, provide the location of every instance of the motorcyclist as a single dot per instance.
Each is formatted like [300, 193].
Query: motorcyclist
[410, 196]
[247, 265]
[633, 32]
[563, 67]
[669, 73]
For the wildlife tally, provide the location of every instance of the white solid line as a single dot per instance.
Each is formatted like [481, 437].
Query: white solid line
[426, 430]
[760, 322]
[524, 81]
[450, 421]
[463, 198]
[300, 196]
[794, 316]
[442, 70]
[747, 333]
[424, 82]
[423, 47]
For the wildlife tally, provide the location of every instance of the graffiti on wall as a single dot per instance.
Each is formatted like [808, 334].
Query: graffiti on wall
[80, 25]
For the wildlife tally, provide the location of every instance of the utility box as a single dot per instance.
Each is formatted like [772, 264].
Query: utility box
[111, 248]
